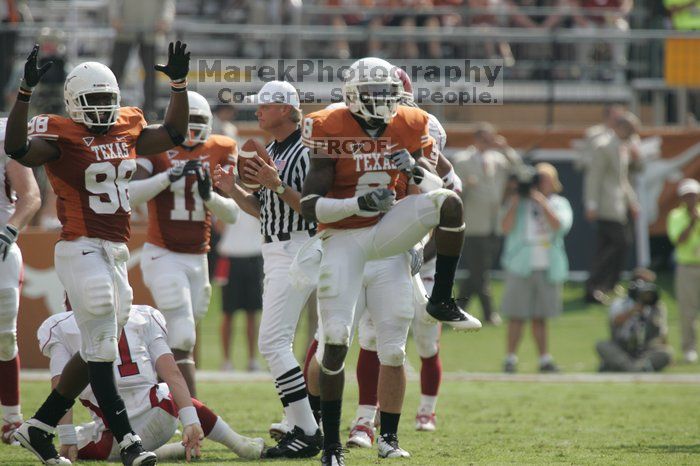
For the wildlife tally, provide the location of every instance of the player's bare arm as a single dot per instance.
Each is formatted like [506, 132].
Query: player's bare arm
[317, 184]
[159, 138]
[225, 180]
[27, 205]
[192, 434]
[29, 153]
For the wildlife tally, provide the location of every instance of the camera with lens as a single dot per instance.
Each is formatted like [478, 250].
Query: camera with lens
[644, 293]
[527, 178]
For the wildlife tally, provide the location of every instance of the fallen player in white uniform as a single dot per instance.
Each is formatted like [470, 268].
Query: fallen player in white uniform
[144, 356]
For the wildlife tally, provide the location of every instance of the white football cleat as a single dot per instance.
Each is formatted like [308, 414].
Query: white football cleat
[280, 429]
[388, 446]
[362, 433]
[36, 437]
[426, 421]
[250, 448]
[448, 312]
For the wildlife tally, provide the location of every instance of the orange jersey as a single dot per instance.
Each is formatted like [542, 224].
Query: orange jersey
[177, 217]
[361, 164]
[91, 176]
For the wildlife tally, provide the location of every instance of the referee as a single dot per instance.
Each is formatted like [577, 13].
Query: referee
[284, 231]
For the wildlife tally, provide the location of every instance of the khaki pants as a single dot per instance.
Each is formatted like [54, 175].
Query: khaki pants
[688, 296]
[616, 359]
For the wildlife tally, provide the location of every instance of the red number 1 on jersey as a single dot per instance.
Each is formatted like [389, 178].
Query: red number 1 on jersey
[127, 367]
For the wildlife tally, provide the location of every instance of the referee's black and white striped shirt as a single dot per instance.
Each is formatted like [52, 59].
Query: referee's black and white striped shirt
[291, 158]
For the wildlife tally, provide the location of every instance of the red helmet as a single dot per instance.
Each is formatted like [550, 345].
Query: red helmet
[407, 94]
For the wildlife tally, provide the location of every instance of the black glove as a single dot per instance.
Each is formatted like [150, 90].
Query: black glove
[178, 62]
[188, 168]
[204, 184]
[32, 74]
[8, 235]
[377, 200]
[403, 160]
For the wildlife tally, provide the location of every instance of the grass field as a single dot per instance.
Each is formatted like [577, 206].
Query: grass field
[488, 422]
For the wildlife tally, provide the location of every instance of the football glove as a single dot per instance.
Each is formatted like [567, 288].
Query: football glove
[8, 236]
[416, 259]
[403, 160]
[178, 171]
[178, 62]
[377, 200]
[32, 74]
[203, 183]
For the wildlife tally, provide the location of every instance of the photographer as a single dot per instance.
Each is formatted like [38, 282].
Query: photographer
[534, 258]
[638, 330]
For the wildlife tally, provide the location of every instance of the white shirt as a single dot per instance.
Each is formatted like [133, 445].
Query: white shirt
[538, 233]
[241, 239]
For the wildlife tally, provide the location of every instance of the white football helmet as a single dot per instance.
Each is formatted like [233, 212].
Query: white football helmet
[373, 89]
[199, 131]
[86, 79]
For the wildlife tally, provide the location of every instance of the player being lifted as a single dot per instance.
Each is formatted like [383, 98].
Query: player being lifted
[89, 159]
[19, 201]
[358, 154]
[154, 408]
[174, 259]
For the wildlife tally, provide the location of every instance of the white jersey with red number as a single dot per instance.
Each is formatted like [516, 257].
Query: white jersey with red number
[7, 195]
[142, 342]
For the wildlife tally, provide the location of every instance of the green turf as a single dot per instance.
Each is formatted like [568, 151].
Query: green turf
[524, 423]
[572, 339]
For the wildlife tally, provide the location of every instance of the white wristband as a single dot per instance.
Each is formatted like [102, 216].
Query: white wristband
[189, 416]
[332, 210]
[67, 434]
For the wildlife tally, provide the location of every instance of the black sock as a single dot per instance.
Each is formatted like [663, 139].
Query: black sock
[54, 408]
[315, 402]
[445, 267]
[389, 422]
[330, 416]
[111, 404]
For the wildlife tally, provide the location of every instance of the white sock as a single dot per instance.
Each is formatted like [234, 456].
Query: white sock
[512, 358]
[223, 434]
[367, 412]
[299, 414]
[428, 403]
[11, 413]
[170, 451]
[545, 359]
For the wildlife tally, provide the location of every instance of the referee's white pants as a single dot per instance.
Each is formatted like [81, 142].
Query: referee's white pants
[282, 304]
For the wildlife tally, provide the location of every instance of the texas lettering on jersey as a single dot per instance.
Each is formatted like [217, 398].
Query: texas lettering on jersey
[177, 217]
[361, 161]
[91, 176]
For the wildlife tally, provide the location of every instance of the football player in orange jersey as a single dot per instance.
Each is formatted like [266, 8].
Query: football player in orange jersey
[358, 154]
[89, 159]
[174, 259]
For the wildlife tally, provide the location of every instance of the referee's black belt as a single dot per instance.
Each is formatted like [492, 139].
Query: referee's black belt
[286, 236]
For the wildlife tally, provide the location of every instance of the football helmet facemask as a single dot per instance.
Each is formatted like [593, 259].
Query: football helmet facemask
[372, 89]
[199, 128]
[92, 96]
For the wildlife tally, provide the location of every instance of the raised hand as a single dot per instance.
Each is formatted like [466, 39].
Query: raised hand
[224, 179]
[178, 62]
[377, 200]
[32, 74]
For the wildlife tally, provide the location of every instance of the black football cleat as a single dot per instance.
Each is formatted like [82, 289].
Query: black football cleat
[296, 444]
[40, 442]
[133, 454]
[334, 455]
[450, 313]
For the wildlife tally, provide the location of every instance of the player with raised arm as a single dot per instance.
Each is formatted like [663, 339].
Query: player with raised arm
[19, 201]
[89, 159]
[358, 154]
[174, 258]
[154, 408]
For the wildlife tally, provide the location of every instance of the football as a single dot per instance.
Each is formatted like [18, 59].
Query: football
[247, 152]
